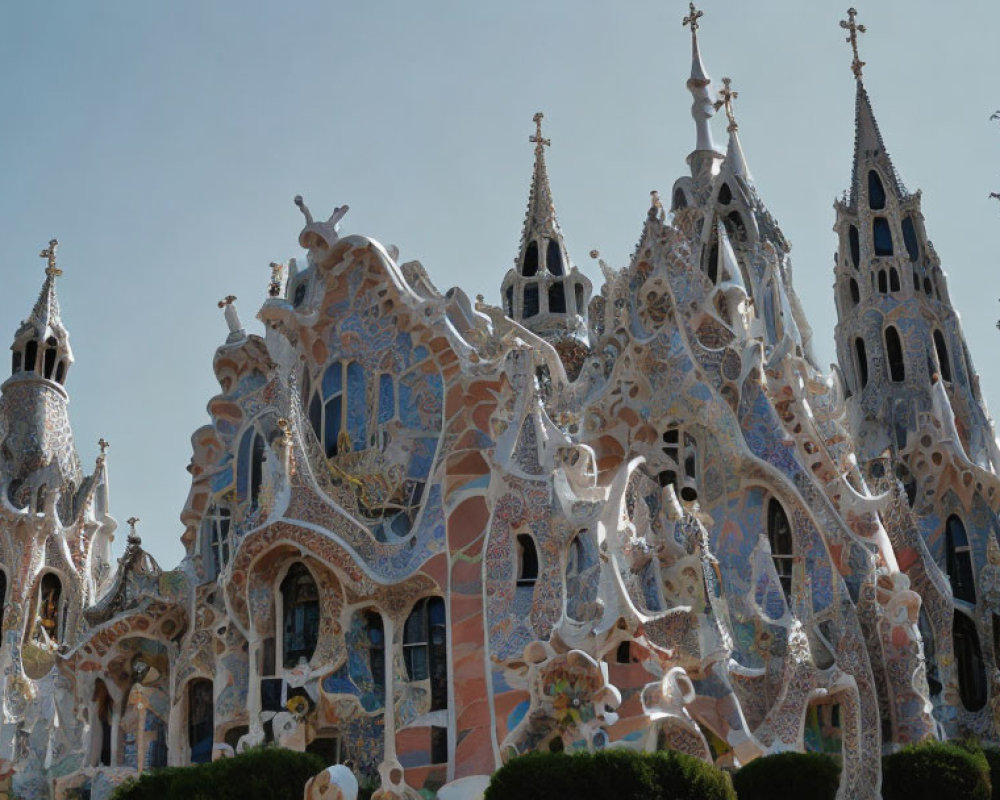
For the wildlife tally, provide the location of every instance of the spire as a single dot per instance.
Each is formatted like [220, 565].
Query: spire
[540, 221]
[702, 108]
[45, 317]
[735, 158]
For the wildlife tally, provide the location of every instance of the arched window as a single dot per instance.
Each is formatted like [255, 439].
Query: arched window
[300, 616]
[529, 266]
[527, 560]
[553, 258]
[958, 554]
[882, 283]
[60, 371]
[15, 365]
[712, 264]
[862, 359]
[215, 536]
[201, 720]
[944, 365]
[725, 195]
[50, 357]
[508, 294]
[893, 280]
[910, 239]
[425, 649]
[578, 296]
[969, 660]
[530, 307]
[876, 192]
[557, 298]
[735, 226]
[882, 236]
[854, 242]
[30, 355]
[340, 423]
[680, 201]
[855, 292]
[250, 467]
[103, 706]
[779, 536]
[928, 289]
[916, 281]
[576, 561]
[50, 606]
[375, 628]
[894, 354]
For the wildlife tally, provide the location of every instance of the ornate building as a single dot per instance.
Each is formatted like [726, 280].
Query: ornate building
[425, 534]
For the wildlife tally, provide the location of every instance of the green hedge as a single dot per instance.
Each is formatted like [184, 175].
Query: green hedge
[266, 773]
[609, 775]
[936, 770]
[808, 775]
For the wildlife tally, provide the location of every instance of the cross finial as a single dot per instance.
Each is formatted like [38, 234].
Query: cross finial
[852, 37]
[104, 445]
[538, 140]
[692, 18]
[131, 524]
[49, 254]
[228, 300]
[726, 97]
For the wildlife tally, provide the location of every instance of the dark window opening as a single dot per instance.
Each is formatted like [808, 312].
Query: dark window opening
[425, 650]
[928, 290]
[882, 236]
[855, 245]
[509, 296]
[969, 659]
[104, 706]
[916, 280]
[958, 556]
[894, 353]
[557, 298]
[201, 723]
[680, 201]
[300, 617]
[376, 651]
[529, 266]
[578, 296]
[893, 280]
[49, 605]
[439, 745]
[942, 355]
[876, 191]
[30, 355]
[527, 558]
[327, 748]
[624, 653]
[855, 292]
[553, 258]
[910, 239]
[883, 286]
[859, 350]
[530, 300]
[300, 294]
[60, 372]
[735, 227]
[712, 265]
[725, 195]
[50, 358]
[779, 536]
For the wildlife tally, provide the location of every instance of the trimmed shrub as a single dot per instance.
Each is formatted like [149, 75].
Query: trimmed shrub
[265, 773]
[810, 775]
[932, 770]
[616, 774]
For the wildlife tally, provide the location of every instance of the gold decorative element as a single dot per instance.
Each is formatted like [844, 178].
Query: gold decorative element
[726, 97]
[228, 300]
[274, 288]
[49, 254]
[692, 18]
[538, 140]
[852, 37]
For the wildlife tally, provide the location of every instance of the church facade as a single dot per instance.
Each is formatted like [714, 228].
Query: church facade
[426, 533]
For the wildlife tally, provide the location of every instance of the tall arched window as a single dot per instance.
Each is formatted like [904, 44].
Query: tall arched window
[30, 355]
[894, 354]
[553, 258]
[944, 365]
[779, 536]
[527, 560]
[60, 371]
[215, 536]
[557, 298]
[910, 239]
[876, 192]
[855, 292]
[250, 467]
[854, 244]
[508, 294]
[425, 649]
[530, 307]
[958, 555]
[862, 358]
[969, 660]
[50, 606]
[893, 280]
[339, 422]
[103, 706]
[376, 651]
[883, 285]
[882, 236]
[201, 720]
[300, 616]
[578, 296]
[576, 560]
[530, 265]
[51, 346]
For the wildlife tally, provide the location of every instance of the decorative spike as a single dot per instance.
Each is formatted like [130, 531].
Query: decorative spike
[702, 108]
[852, 38]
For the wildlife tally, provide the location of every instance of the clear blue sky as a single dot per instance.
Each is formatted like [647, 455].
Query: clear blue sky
[162, 143]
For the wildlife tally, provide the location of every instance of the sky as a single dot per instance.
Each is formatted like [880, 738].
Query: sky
[163, 143]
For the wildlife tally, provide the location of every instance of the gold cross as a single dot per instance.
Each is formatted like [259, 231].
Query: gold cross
[692, 18]
[538, 140]
[49, 253]
[726, 97]
[850, 25]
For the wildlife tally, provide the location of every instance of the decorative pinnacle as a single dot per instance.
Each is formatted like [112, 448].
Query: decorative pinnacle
[274, 287]
[538, 140]
[49, 253]
[104, 445]
[850, 25]
[228, 300]
[131, 524]
[692, 19]
[726, 97]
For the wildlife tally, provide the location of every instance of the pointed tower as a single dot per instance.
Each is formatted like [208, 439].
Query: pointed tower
[545, 291]
[897, 332]
[37, 451]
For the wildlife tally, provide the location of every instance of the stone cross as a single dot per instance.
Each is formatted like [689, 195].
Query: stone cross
[49, 254]
[726, 97]
[852, 37]
[131, 524]
[538, 140]
[692, 18]
[104, 445]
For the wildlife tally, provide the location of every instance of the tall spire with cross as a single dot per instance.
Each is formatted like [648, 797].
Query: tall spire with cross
[541, 215]
[735, 158]
[853, 29]
[702, 107]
